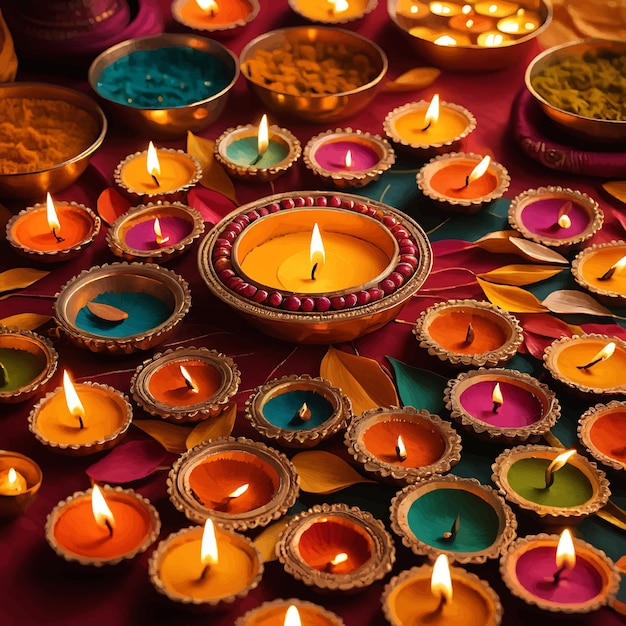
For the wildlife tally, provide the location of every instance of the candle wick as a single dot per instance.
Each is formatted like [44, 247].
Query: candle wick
[80, 422]
[190, 385]
[401, 454]
[608, 274]
[549, 477]
[109, 526]
[57, 237]
[466, 182]
[496, 406]
[205, 570]
[443, 600]
[450, 535]
[4, 375]
[590, 364]
[469, 335]
[557, 575]
[427, 126]
[313, 270]
[256, 159]
[304, 413]
[156, 180]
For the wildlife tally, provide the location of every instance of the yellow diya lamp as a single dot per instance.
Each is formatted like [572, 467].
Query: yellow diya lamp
[20, 480]
[158, 174]
[186, 384]
[601, 430]
[205, 566]
[468, 333]
[588, 364]
[333, 11]
[257, 153]
[52, 232]
[313, 267]
[440, 595]
[217, 17]
[425, 129]
[102, 526]
[239, 483]
[336, 548]
[290, 612]
[601, 269]
[298, 411]
[81, 419]
[555, 485]
[403, 444]
[560, 574]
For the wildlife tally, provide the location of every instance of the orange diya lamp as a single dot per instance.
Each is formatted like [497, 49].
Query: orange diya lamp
[52, 232]
[291, 612]
[601, 269]
[602, 429]
[102, 526]
[20, 480]
[215, 16]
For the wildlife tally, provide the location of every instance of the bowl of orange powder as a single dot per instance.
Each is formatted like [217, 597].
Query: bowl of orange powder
[48, 133]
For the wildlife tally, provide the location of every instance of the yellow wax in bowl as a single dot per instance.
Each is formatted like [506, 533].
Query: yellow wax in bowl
[604, 375]
[324, 11]
[177, 170]
[449, 126]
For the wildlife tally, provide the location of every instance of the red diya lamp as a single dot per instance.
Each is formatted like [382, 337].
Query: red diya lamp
[20, 480]
[601, 430]
[102, 526]
[462, 182]
[52, 232]
[336, 548]
[291, 612]
[215, 16]
[239, 483]
[559, 574]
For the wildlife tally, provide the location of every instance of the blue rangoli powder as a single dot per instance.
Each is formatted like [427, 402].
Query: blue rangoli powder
[281, 410]
[145, 312]
[163, 78]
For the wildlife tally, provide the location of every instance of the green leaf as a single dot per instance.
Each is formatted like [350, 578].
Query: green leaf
[419, 388]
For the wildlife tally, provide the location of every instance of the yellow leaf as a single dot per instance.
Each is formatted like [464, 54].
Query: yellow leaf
[512, 299]
[363, 380]
[617, 188]
[417, 78]
[171, 436]
[214, 176]
[323, 472]
[498, 241]
[20, 277]
[213, 427]
[572, 301]
[25, 321]
[266, 540]
[537, 252]
[520, 274]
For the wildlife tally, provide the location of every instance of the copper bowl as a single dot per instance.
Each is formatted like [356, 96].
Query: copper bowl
[317, 108]
[35, 184]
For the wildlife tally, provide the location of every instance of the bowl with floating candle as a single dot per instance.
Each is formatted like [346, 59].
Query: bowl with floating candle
[588, 364]
[121, 308]
[560, 574]
[155, 232]
[298, 411]
[215, 17]
[334, 11]
[557, 217]
[239, 483]
[601, 269]
[28, 362]
[205, 566]
[343, 72]
[499, 404]
[462, 182]
[334, 547]
[185, 384]
[315, 267]
[165, 85]
[20, 480]
[440, 595]
[459, 517]
[102, 526]
[555, 485]
[403, 445]
[601, 430]
[289, 612]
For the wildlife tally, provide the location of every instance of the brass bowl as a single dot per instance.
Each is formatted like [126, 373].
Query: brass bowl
[168, 121]
[580, 126]
[34, 185]
[470, 57]
[317, 108]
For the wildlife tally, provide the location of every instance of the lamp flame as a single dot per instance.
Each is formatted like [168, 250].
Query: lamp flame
[340, 6]
[620, 265]
[440, 581]
[208, 547]
[467, 9]
[51, 214]
[208, 6]
[158, 233]
[340, 557]
[401, 449]
[101, 511]
[316, 249]
[348, 161]
[152, 162]
[263, 140]
[492, 8]
[239, 491]
[74, 405]
[479, 170]
[557, 463]
[469, 23]
[189, 381]
[603, 355]
[496, 395]
[432, 112]
[292, 617]
[15, 485]
[564, 221]
[493, 40]
[445, 40]
[565, 553]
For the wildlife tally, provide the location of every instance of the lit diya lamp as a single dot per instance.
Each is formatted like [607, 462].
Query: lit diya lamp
[440, 595]
[298, 411]
[336, 548]
[291, 612]
[468, 333]
[81, 419]
[601, 429]
[460, 517]
[601, 269]
[20, 480]
[522, 22]
[185, 384]
[158, 173]
[403, 444]
[27, 364]
[239, 483]
[559, 574]
[102, 526]
[462, 182]
[257, 153]
[155, 232]
[411, 9]
[555, 216]
[502, 404]
[590, 364]
[333, 11]
[205, 566]
[214, 16]
[52, 232]
[550, 483]
[347, 158]
[428, 128]
[496, 8]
